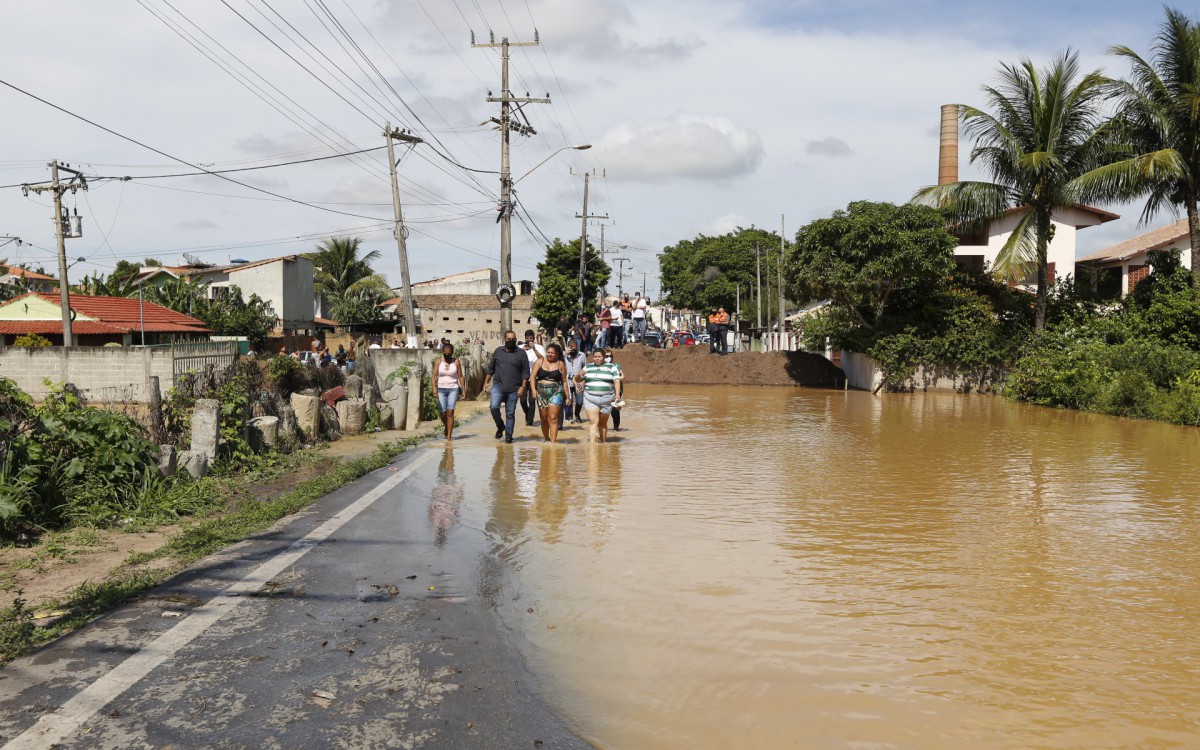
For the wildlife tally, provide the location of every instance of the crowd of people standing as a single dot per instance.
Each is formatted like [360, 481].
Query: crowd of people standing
[609, 326]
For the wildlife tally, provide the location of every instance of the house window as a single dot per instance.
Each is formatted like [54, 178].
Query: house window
[220, 292]
[974, 239]
[970, 263]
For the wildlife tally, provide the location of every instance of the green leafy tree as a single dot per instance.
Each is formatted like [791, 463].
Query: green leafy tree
[704, 273]
[558, 281]
[1157, 129]
[867, 259]
[233, 316]
[1044, 132]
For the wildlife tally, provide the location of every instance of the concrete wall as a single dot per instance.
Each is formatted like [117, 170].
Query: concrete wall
[104, 374]
[387, 361]
[864, 374]
[474, 325]
[483, 281]
[286, 284]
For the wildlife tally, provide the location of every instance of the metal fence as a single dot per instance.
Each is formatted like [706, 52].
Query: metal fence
[198, 356]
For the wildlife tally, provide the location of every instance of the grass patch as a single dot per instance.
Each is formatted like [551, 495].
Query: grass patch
[249, 515]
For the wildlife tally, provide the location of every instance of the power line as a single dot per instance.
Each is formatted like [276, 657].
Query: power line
[242, 169]
[176, 158]
[244, 80]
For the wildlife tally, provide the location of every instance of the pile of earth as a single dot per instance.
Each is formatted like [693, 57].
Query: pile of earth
[696, 366]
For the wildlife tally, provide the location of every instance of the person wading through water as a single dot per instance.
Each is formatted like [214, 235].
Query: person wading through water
[449, 387]
[575, 360]
[534, 351]
[601, 387]
[549, 379]
[507, 375]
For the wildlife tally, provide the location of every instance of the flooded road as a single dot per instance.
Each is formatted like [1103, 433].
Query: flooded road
[771, 568]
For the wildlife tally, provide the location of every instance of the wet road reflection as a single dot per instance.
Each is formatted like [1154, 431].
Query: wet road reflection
[752, 567]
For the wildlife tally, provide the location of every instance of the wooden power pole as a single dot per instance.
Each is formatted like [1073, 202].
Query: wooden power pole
[412, 341]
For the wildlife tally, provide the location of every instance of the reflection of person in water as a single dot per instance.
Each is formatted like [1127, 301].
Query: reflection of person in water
[446, 499]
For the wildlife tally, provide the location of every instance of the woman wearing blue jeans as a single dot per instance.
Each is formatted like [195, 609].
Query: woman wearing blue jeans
[449, 387]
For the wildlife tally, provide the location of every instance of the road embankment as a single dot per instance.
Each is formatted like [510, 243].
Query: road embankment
[696, 366]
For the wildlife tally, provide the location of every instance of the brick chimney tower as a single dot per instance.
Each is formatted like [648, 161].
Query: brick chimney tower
[948, 148]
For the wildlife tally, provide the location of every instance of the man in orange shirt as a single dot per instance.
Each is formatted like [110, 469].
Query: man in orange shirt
[723, 330]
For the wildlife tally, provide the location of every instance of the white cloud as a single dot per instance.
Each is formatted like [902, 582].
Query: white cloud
[697, 147]
[723, 225]
[830, 146]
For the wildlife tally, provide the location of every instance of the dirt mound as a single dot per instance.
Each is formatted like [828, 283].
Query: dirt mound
[696, 366]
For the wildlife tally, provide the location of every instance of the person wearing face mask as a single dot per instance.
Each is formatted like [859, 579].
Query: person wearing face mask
[574, 360]
[507, 376]
[449, 387]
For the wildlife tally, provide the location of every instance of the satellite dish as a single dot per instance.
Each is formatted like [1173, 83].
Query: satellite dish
[192, 260]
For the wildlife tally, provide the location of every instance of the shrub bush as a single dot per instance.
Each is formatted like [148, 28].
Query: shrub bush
[31, 339]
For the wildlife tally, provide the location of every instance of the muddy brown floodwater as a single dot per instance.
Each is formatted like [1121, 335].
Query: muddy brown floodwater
[776, 567]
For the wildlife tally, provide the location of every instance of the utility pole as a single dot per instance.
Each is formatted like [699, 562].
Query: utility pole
[737, 336]
[583, 238]
[779, 272]
[603, 292]
[621, 275]
[64, 227]
[645, 275]
[506, 100]
[758, 286]
[410, 316]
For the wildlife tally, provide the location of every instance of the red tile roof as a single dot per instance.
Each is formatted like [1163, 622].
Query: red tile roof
[25, 273]
[79, 327]
[1152, 240]
[112, 314]
[129, 311]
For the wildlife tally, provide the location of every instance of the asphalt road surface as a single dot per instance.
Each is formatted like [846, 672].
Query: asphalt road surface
[357, 623]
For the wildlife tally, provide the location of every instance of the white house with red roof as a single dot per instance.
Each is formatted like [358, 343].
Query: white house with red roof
[30, 281]
[977, 251]
[97, 320]
[1121, 266]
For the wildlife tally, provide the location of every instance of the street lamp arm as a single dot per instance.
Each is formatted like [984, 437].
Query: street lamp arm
[581, 147]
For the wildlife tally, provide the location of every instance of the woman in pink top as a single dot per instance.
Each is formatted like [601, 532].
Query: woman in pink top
[449, 387]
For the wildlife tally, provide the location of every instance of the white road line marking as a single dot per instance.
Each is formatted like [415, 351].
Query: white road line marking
[55, 727]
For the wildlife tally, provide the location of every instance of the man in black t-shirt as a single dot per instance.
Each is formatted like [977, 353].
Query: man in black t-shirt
[508, 377]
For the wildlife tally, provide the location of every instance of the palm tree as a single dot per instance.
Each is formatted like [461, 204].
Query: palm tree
[185, 295]
[1158, 129]
[1044, 132]
[345, 279]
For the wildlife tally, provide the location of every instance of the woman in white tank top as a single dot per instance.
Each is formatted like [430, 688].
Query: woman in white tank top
[449, 387]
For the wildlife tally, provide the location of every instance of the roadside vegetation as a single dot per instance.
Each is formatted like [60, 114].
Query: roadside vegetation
[1050, 138]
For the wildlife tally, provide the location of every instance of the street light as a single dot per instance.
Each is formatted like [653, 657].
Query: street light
[580, 147]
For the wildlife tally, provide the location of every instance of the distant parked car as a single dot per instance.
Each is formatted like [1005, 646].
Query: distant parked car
[652, 339]
[684, 338]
